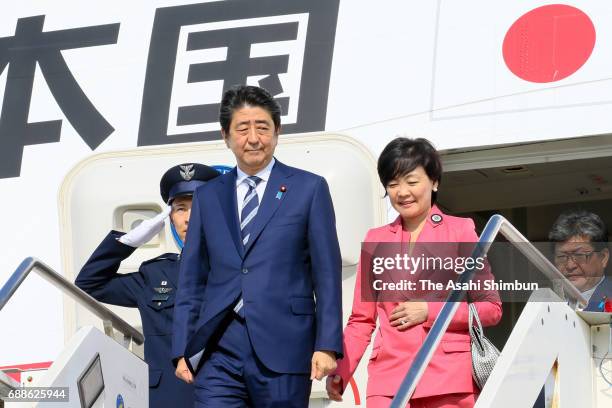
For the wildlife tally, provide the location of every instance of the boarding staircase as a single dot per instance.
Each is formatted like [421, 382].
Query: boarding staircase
[554, 350]
[94, 369]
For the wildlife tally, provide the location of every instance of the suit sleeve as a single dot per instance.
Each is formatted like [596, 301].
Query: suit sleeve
[487, 302]
[99, 277]
[326, 264]
[358, 331]
[193, 274]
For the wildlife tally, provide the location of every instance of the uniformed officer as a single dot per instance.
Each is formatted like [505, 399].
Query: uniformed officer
[152, 289]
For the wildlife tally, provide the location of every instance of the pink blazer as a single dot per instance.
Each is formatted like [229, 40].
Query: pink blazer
[393, 351]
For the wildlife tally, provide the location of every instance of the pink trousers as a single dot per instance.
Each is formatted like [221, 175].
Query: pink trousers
[464, 400]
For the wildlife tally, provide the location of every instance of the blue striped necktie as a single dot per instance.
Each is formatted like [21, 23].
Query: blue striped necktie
[247, 216]
[249, 209]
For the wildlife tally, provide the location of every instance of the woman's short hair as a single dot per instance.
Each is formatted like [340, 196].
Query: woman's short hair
[579, 223]
[402, 155]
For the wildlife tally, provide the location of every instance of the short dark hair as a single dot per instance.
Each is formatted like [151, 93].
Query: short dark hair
[402, 155]
[580, 223]
[239, 96]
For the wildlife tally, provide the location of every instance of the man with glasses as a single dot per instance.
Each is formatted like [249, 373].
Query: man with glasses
[582, 254]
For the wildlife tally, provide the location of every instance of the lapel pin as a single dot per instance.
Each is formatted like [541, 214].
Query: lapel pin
[164, 283]
[280, 192]
[603, 305]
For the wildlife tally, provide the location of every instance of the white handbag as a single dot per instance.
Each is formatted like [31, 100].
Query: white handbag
[484, 353]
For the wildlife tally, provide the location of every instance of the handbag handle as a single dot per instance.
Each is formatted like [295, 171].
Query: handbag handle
[475, 332]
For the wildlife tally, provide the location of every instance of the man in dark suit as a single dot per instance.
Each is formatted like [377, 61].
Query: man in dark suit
[261, 247]
[582, 255]
[153, 288]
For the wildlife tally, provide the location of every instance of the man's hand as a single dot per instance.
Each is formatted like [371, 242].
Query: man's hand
[334, 387]
[323, 363]
[146, 230]
[408, 314]
[183, 372]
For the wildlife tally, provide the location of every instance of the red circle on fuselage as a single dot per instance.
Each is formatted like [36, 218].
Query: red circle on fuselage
[549, 43]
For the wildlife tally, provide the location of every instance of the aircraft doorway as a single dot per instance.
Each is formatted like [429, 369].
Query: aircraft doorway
[530, 185]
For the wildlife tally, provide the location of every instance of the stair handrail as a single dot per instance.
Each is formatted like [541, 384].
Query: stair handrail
[110, 319]
[496, 224]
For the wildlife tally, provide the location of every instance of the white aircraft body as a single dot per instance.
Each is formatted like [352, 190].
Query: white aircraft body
[516, 96]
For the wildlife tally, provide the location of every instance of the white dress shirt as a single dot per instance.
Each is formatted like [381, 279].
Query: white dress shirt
[589, 293]
[242, 187]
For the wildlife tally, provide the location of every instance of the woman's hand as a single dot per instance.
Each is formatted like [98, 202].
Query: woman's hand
[334, 387]
[408, 314]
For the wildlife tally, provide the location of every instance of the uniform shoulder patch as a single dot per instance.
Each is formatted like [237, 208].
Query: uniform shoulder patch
[168, 256]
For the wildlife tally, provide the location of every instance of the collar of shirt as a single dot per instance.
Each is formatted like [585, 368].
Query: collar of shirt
[242, 188]
[589, 293]
[263, 174]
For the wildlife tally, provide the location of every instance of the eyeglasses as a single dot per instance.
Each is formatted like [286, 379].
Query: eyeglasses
[580, 258]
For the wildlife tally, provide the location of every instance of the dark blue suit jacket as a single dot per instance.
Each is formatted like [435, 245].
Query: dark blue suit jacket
[100, 279]
[292, 257]
[604, 290]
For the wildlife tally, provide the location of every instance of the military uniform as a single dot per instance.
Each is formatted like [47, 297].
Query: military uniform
[152, 289]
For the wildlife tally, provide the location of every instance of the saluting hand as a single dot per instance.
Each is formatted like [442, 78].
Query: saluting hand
[408, 314]
[146, 230]
[183, 372]
[323, 363]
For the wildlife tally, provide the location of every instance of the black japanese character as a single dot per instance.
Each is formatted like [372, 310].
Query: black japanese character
[239, 64]
[30, 45]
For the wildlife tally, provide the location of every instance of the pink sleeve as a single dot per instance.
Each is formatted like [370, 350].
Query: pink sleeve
[489, 312]
[358, 332]
[488, 303]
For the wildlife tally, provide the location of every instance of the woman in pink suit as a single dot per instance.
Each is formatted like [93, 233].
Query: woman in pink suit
[410, 171]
